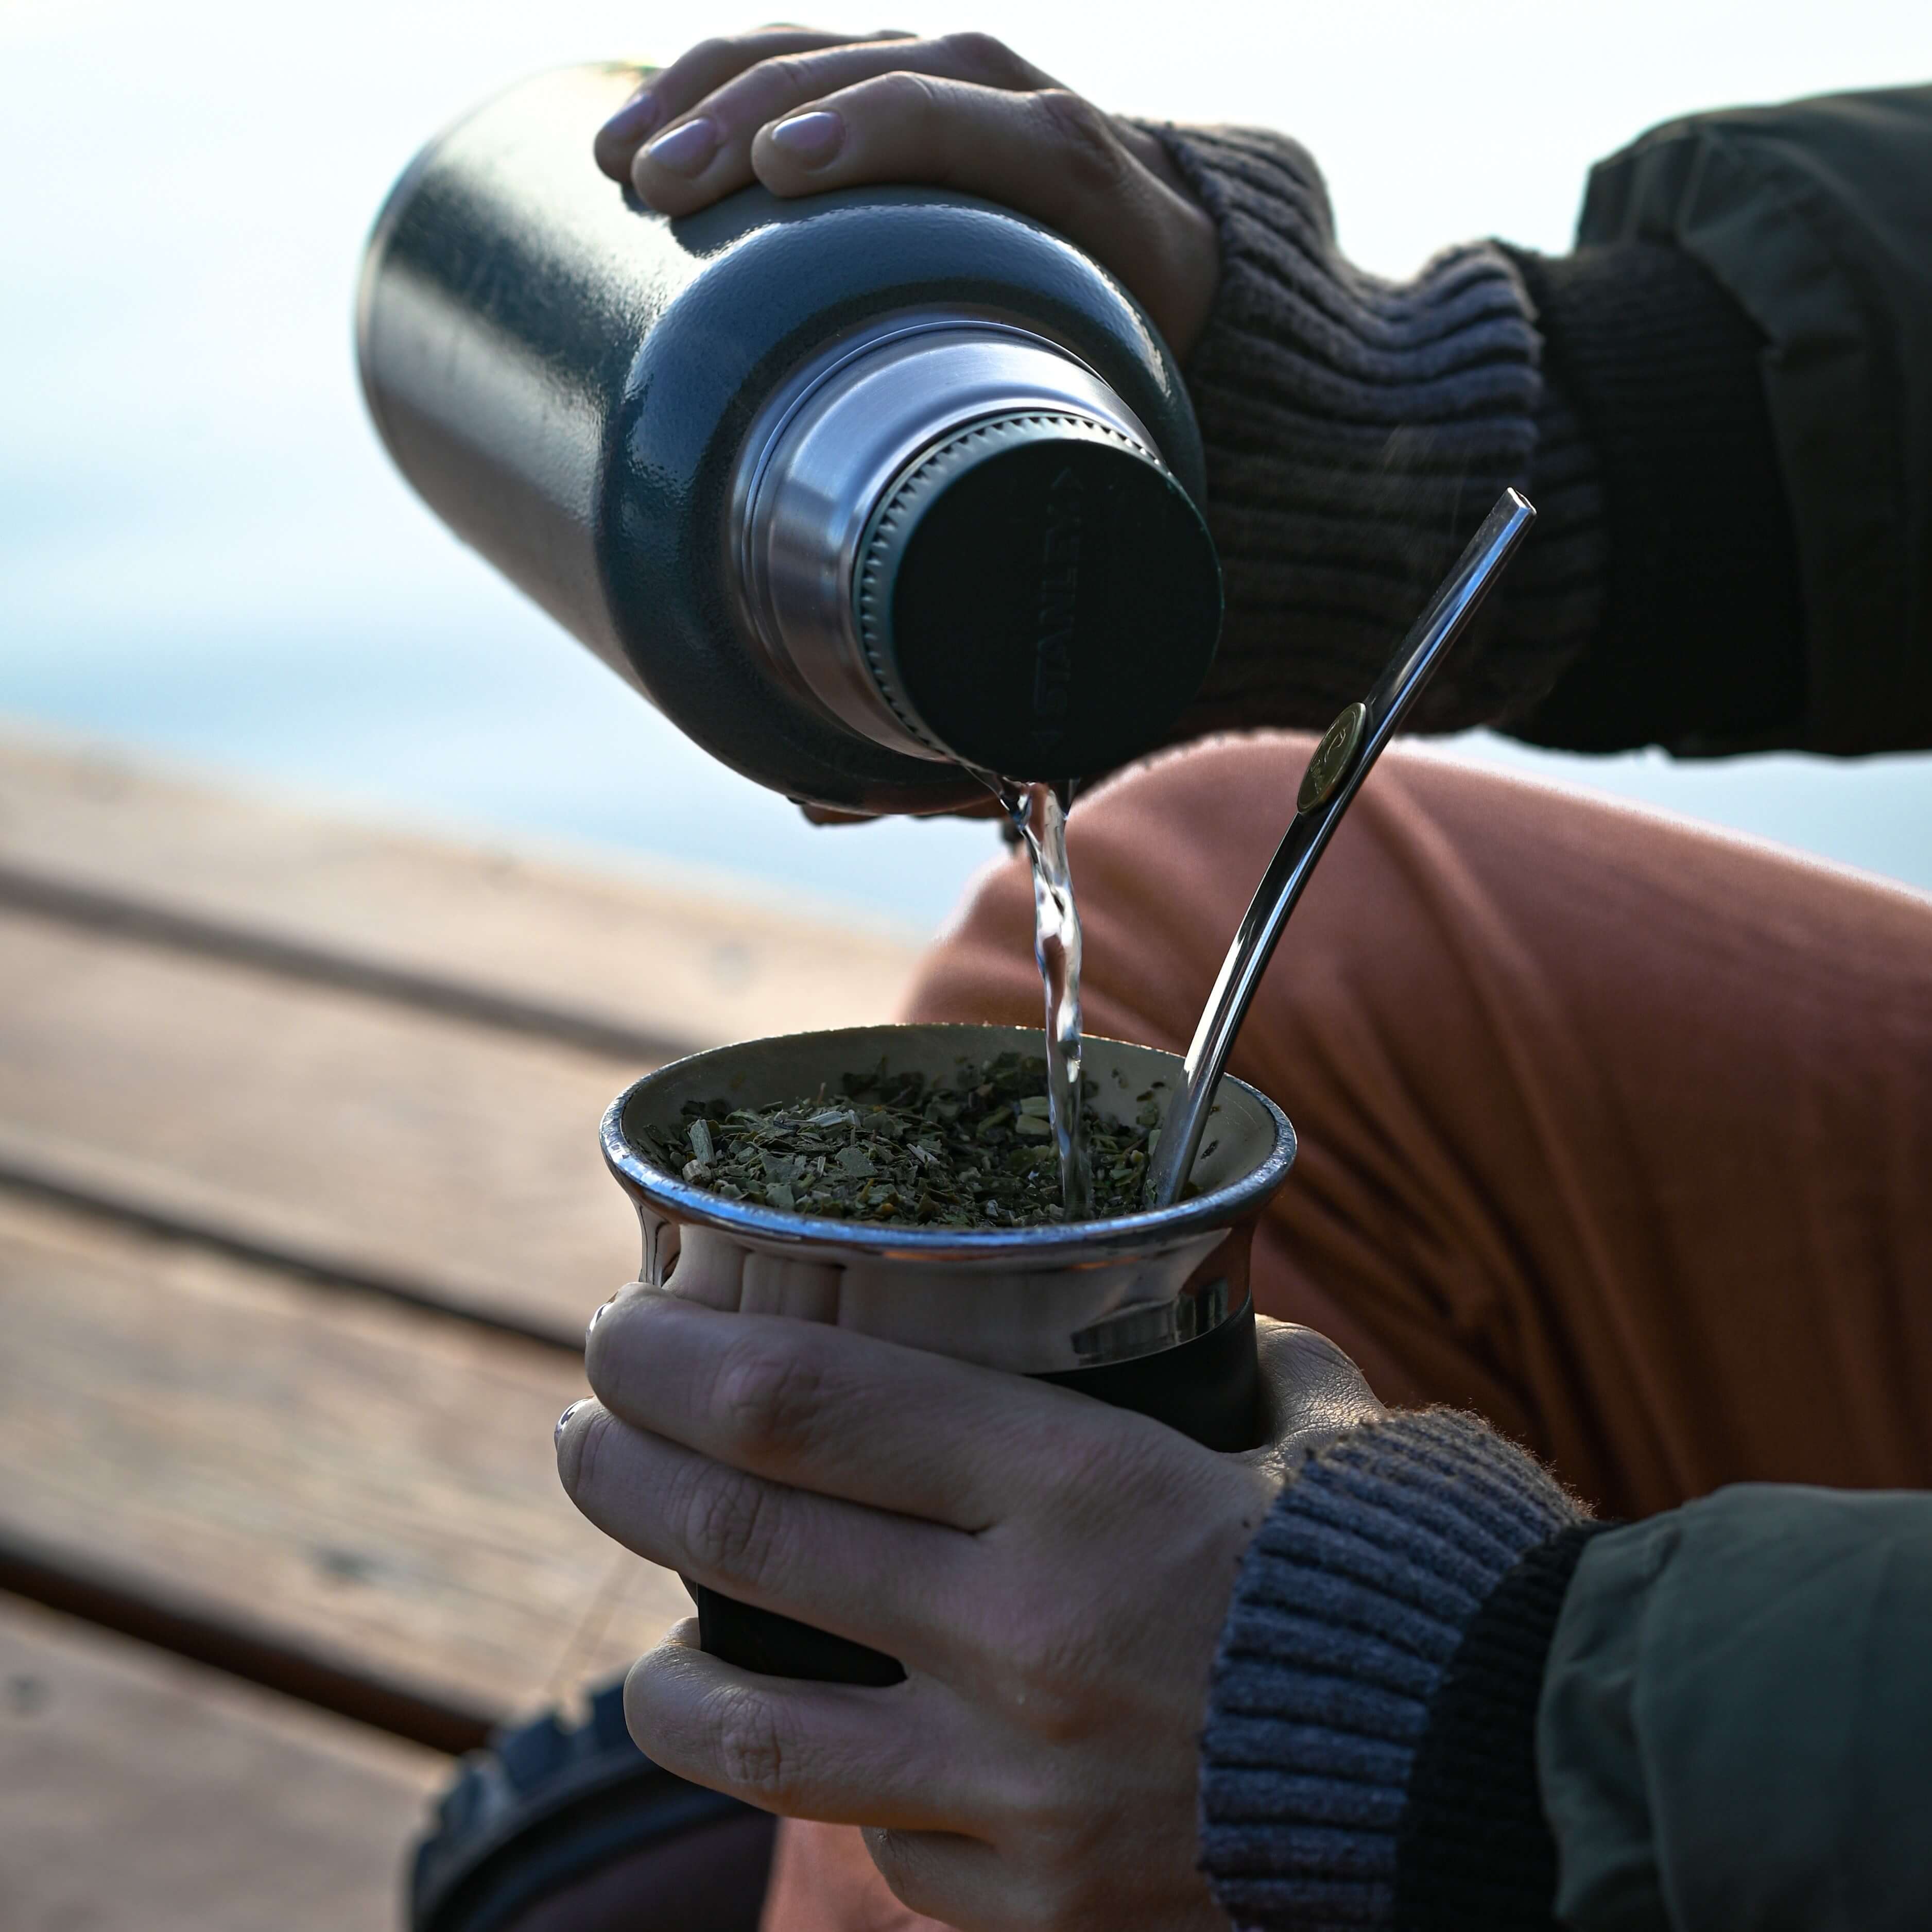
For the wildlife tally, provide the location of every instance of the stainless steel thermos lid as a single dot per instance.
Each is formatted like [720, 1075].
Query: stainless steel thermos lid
[965, 544]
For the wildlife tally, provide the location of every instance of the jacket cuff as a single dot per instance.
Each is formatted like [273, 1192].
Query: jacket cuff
[1372, 1657]
[1475, 1852]
[1702, 642]
[1357, 431]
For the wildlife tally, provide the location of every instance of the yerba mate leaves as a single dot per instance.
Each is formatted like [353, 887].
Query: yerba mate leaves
[976, 1151]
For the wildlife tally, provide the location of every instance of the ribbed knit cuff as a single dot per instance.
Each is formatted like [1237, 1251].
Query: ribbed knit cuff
[1353, 1604]
[1357, 430]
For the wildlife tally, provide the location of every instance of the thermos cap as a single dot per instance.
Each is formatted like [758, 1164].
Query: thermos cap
[961, 543]
[1036, 594]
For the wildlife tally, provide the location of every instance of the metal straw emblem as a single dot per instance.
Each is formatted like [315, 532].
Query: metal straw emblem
[1329, 763]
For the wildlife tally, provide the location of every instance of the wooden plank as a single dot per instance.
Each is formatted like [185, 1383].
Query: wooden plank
[665, 953]
[369, 1484]
[360, 1138]
[143, 1791]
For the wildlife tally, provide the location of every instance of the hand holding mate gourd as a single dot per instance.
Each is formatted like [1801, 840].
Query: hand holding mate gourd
[1053, 1574]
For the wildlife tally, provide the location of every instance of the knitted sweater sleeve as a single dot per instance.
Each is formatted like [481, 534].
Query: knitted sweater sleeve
[1357, 430]
[1369, 1760]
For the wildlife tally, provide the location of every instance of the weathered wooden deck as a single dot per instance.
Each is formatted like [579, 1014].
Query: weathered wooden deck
[301, 1216]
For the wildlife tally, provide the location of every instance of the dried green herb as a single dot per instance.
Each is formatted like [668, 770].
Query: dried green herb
[974, 1151]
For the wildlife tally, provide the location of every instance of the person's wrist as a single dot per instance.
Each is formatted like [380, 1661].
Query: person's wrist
[1346, 1717]
[1356, 429]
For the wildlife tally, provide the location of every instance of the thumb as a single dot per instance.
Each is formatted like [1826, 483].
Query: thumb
[1311, 1392]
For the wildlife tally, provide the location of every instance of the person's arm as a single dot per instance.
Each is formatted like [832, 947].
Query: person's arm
[1814, 219]
[1358, 429]
[1736, 1724]
[1443, 1700]
[1368, 1758]
[1721, 402]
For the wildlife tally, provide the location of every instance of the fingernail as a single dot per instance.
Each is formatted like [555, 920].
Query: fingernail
[556, 1435]
[812, 138]
[686, 148]
[635, 118]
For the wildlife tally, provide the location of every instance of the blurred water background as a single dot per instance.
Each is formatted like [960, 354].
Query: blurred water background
[204, 554]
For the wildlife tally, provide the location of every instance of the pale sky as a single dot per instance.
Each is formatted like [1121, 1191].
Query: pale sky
[202, 549]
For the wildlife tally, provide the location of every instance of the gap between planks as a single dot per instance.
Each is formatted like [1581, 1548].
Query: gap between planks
[166, 1621]
[151, 1200]
[236, 890]
[151, 924]
[442, 1163]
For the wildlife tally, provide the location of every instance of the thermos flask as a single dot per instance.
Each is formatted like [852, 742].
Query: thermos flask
[856, 489]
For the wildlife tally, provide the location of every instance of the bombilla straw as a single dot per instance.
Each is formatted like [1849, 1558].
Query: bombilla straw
[1334, 774]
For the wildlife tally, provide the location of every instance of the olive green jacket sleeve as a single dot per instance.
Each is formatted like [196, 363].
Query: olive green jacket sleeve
[1735, 1725]
[1816, 217]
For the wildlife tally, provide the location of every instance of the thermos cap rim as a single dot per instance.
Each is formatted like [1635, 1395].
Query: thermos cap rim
[1037, 596]
[889, 535]
[958, 541]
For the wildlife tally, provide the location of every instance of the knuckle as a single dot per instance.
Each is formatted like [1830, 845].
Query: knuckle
[1046, 1664]
[769, 1399]
[902, 95]
[1086, 137]
[1027, 1801]
[727, 1523]
[983, 58]
[784, 77]
[752, 1752]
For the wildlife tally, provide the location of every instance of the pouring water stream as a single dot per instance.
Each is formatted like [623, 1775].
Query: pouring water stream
[1038, 814]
